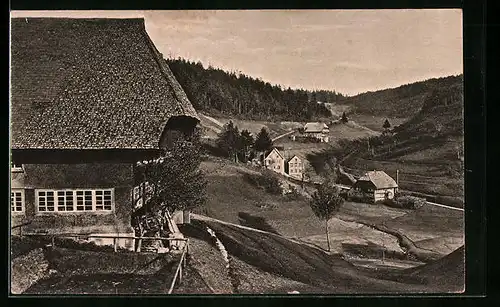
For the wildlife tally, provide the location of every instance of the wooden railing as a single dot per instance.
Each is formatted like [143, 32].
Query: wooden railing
[20, 227]
[180, 266]
[178, 272]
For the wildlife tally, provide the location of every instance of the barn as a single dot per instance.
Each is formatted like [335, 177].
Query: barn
[378, 184]
[317, 130]
[89, 98]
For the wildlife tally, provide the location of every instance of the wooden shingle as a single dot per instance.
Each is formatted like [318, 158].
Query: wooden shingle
[89, 84]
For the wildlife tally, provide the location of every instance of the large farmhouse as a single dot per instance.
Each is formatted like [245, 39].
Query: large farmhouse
[378, 184]
[314, 131]
[89, 98]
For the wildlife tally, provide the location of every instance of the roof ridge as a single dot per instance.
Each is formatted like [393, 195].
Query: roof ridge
[167, 74]
[80, 18]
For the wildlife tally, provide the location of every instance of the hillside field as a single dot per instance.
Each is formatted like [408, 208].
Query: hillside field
[234, 200]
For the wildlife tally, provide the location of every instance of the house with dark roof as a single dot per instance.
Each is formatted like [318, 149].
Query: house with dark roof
[89, 98]
[378, 184]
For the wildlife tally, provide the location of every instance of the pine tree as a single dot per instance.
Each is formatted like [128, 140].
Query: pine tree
[247, 142]
[344, 118]
[229, 141]
[263, 141]
[386, 124]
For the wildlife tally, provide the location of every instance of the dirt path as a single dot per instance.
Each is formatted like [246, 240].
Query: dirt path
[407, 245]
[444, 206]
[283, 135]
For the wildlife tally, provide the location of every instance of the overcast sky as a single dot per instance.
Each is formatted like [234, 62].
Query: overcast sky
[348, 51]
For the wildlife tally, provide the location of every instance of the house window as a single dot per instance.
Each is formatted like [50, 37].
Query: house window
[46, 200]
[17, 201]
[142, 193]
[103, 200]
[74, 200]
[65, 201]
[15, 167]
[84, 201]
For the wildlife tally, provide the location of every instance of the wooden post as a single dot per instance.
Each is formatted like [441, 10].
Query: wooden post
[397, 177]
[53, 242]
[115, 244]
[139, 244]
[185, 255]
[180, 274]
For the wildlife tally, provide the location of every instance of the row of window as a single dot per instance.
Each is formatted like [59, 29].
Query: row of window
[297, 164]
[65, 200]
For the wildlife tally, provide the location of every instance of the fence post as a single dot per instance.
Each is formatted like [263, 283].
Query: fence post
[114, 244]
[139, 244]
[180, 274]
[53, 242]
[186, 252]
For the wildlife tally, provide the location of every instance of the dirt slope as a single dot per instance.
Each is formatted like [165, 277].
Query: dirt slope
[301, 263]
[446, 273]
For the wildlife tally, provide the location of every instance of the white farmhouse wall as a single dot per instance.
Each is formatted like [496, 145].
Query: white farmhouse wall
[380, 195]
[275, 162]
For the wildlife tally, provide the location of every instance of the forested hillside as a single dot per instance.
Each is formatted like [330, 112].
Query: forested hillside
[215, 91]
[441, 114]
[401, 102]
[427, 150]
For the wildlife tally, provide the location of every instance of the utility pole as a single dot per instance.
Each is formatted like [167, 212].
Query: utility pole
[397, 177]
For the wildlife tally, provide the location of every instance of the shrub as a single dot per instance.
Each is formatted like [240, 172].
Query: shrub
[293, 195]
[359, 196]
[405, 202]
[267, 181]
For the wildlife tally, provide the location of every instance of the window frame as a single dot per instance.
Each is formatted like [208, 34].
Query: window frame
[23, 201]
[75, 201]
[16, 168]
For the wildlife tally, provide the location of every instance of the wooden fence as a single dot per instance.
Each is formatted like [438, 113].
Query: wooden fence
[20, 227]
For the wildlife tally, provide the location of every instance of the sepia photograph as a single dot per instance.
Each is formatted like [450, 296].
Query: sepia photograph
[229, 152]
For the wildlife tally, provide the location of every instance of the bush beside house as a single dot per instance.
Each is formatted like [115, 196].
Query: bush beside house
[399, 201]
[405, 202]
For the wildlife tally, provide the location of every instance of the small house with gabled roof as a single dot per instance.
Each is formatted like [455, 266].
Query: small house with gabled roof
[274, 161]
[378, 184]
[89, 98]
[295, 167]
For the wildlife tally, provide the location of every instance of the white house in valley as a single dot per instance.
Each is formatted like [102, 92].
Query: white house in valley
[275, 161]
[295, 167]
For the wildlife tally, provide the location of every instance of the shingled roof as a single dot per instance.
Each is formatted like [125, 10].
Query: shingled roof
[89, 84]
[380, 179]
